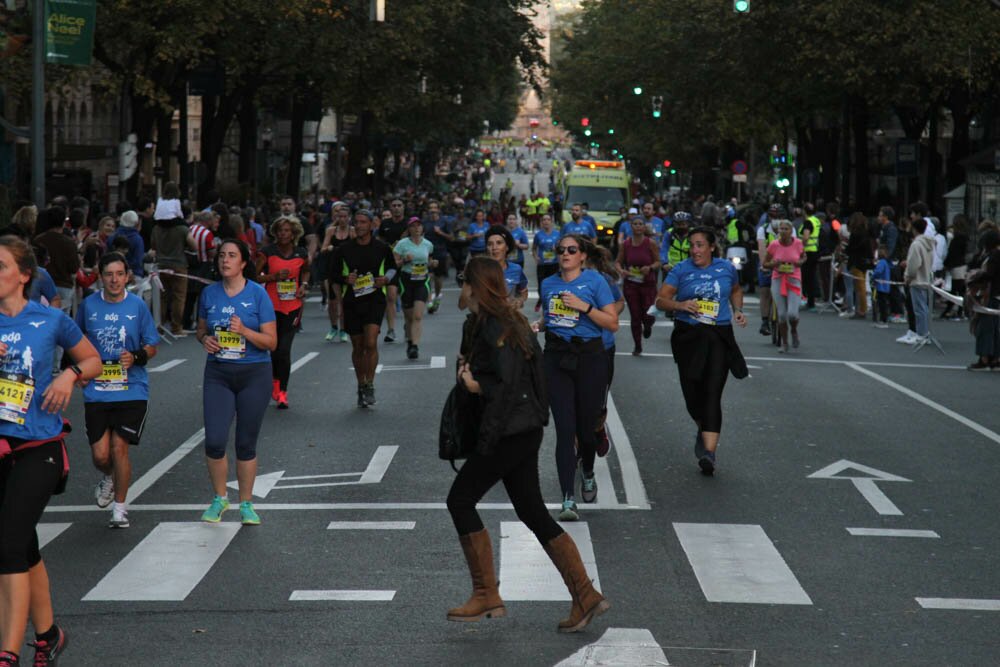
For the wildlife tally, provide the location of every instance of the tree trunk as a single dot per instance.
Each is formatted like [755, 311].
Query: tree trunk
[295, 149]
[164, 141]
[933, 160]
[248, 144]
[862, 177]
[217, 114]
[958, 103]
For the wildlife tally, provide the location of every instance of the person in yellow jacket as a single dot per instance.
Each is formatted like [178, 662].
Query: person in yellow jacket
[809, 235]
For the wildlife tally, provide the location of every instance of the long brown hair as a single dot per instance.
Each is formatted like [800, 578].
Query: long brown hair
[485, 277]
[599, 259]
[24, 257]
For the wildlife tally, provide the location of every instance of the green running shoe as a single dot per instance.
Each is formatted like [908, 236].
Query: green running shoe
[569, 511]
[247, 514]
[214, 512]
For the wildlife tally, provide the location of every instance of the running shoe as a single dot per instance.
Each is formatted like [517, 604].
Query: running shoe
[248, 516]
[795, 339]
[119, 518]
[637, 351]
[275, 389]
[647, 328]
[435, 304]
[881, 325]
[8, 659]
[603, 442]
[333, 335]
[282, 400]
[344, 338]
[897, 319]
[569, 512]
[362, 397]
[105, 491]
[588, 488]
[699, 446]
[765, 328]
[707, 463]
[412, 351]
[907, 338]
[390, 336]
[46, 652]
[979, 366]
[214, 512]
[846, 314]
[370, 393]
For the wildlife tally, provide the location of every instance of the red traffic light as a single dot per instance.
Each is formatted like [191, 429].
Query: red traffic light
[585, 121]
[666, 163]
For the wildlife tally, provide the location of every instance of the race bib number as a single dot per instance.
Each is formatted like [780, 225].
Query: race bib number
[548, 255]
[286, 290]
[561, 315]
[418, 271]
[786, 267]
[463, 236]
[708, 311]
[234, 345]
[16, 391]
[113, 377]
[635, 274]
[364, 285]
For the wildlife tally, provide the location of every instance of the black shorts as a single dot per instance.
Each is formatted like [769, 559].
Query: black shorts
[126, 418]
[441, 270]
[412, 291]
[359, 313]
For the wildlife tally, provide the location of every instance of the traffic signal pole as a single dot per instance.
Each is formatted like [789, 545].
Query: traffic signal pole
[38, 104]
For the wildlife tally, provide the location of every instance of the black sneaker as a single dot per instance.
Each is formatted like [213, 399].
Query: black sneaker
[980, 366]
[699, 446]
[46, 652]
[370, 393]
[707, 463]
[412, 351]
[390, 336]
[765, 328]
[647, 328]
[362, 398]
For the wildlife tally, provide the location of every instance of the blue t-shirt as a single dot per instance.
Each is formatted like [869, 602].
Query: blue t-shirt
[43, 286]
[711, 286]
[579, 228]
[440, 243]
[26, 369]
[251, 305]
[566, 322]
[545, 246]
[514, 276]
[882, 275]
[478, 244]
[114, 328]
[616, 293]
[520, 236]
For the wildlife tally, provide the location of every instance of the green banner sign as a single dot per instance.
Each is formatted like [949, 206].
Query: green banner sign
[69, 31]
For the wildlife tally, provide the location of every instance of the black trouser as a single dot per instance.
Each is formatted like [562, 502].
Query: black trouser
[882, 299]
[703, 394]
[809, 275]
[281, 358]
[543, 271]
[515, 461]
[958, 289]
[576, 398]
[27, 480]
[911, 317]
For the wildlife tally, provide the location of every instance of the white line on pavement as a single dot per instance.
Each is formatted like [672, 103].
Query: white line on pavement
[876, 497]
[166, 366]
[892, 532]
[342, 596]
[842, 362]
[965, 421]
[371, 525]
[527, 573]
[303, 361]
[635, 491]
[326, 507]
[959, 604]
[50, 531]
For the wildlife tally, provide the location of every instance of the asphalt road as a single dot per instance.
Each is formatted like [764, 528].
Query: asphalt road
[767, 563]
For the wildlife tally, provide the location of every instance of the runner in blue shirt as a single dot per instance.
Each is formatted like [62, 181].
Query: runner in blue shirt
[31, 423]
[122, 329]
[578, 225]
[236, 326]
[520, 239]
[544, 248]
[477, 233]
[499, 245]
[705, 292]
[577, 307]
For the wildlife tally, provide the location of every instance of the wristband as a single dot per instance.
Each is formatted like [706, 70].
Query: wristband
[140, 357]
[76, 369]
[589, 308]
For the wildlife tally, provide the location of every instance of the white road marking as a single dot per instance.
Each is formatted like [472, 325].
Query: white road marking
[322, 507]
[526, 573]
[314, 299]
[892, 532]
[739, 563]
[439, 362]
[619, 646]
[377, 467]
[665, 323]
[865, 485]
[606, 494]
[959, 604]
[304, 360]
[167, 564]
[371, 525]
[342, 596]
[166, 366]
[635, 491]
[841, 362]
[435, 363]
[50, 531]
[965, 421]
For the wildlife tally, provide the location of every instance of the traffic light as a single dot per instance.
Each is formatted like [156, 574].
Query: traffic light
[673, 171]
[555, 122]
[611, 130]
[666, 163]
[637, 90]
[586, 132]
[741, 6]
[658, 173]
[657, 106]
[585, 121]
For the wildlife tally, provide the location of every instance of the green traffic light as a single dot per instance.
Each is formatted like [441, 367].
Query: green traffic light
[554, 122]
[741, 6]
[637, 90]
[673, 171]
[586, 132]
[611, 130]
[658, 173]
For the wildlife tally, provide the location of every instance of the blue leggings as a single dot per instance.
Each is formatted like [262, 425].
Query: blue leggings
[235, 390]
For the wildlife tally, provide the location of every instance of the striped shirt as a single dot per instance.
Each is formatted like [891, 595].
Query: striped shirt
[204, 241]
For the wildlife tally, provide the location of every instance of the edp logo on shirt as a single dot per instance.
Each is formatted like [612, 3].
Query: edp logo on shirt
[12, 337]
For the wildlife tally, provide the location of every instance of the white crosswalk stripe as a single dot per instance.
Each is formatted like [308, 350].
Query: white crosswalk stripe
[526, 573]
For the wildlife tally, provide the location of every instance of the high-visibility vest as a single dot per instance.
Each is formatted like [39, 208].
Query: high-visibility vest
[812, 245]
[679, 250]
[733, 231]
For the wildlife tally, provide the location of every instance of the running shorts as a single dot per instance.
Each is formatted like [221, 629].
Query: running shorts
[361, 313]
[412, 291]
[126, 418]
[441, 270]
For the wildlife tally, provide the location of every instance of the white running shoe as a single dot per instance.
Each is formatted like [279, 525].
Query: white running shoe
[907, 338]
[119, 518]
[846, 313]
[105, 491]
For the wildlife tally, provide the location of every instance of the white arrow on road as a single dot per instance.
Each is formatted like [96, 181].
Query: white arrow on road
[866, 485]
[373, 474]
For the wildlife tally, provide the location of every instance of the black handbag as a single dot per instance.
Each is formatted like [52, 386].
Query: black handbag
[459, 429]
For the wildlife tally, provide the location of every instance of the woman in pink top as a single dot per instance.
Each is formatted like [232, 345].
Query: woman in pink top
[785, 257]
[638, 260]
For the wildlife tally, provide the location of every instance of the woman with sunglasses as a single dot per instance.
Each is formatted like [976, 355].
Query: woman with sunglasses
[704, 290]
[499, 245]
[577, 308]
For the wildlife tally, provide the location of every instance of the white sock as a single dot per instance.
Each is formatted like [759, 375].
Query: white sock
[117, 506]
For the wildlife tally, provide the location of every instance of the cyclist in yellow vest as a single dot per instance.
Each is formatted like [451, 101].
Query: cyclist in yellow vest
[679, 245]
[809, 234]
[543, 204]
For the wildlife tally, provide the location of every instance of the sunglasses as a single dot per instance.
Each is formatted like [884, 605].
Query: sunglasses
[561, 250]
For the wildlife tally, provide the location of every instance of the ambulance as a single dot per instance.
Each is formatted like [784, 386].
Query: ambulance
[603, 185]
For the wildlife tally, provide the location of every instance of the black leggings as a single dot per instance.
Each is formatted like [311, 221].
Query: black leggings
[515, 461]
[281, 358]
[703, 394]
[27, 480]
[577, 399]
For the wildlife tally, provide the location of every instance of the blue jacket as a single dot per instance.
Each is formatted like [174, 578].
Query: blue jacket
[136, 248]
